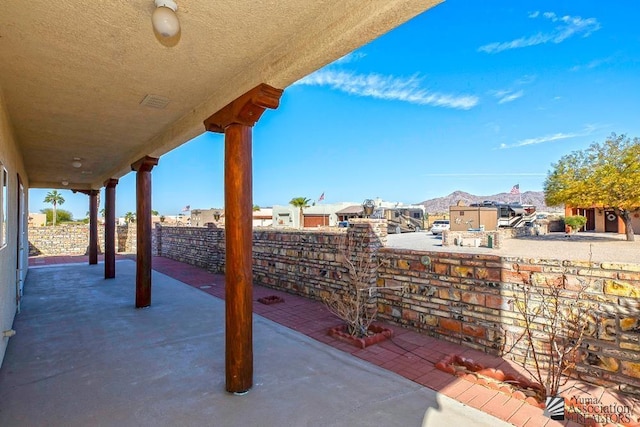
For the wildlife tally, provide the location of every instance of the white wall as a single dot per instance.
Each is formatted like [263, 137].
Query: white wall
[11, 159]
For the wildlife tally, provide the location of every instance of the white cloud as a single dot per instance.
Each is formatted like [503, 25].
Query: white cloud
[567, 27]
[593, 64]
[506, 95]
[350, 57]
[510, 97]
[550, 138]
[388, 88]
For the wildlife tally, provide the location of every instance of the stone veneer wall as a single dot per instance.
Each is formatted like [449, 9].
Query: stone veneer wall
[465, 298]
[309, 262]
[200, 246]
[73, 239]
[303, 262]
[469, 299]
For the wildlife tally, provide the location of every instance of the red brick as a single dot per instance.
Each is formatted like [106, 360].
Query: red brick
[451, 325]
[494, 301]
[473, 298]
[441, 269]
[526, 267]
[409, 315]
[474, 331]
[477, 396]
[456, 387]
[514, 277]
[417, 266]
[502, 406]
[492, 274]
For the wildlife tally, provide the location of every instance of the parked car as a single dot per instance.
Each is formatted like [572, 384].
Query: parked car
[439, 226]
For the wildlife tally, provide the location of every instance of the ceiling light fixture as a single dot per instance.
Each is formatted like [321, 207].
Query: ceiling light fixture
[164, 18]
[65, 182]
[76, 162]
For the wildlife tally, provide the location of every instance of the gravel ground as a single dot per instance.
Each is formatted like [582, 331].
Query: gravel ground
[603, 247]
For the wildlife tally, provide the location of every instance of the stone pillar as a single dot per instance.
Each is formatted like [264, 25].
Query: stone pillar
[110, 228]
[235, 121]
[143, 229]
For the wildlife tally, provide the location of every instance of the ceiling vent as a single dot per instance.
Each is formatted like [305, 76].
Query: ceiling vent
[155, 101]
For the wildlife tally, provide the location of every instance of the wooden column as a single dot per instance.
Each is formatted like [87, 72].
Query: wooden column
[93, 226]
[235, 121]
[93, 223]
[110, 228]
[143, 229]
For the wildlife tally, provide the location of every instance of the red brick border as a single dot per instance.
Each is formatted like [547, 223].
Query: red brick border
[380, 333]
[495, 379]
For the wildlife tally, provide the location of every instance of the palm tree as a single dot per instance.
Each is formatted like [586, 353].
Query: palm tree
[129, 217]
[301, 203]
[256, 208]
[55, 199]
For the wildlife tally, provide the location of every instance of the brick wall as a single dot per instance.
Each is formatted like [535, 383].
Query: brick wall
[200, 246]
[469, 299]
[464, 298]
[73, 239]
[308, 262]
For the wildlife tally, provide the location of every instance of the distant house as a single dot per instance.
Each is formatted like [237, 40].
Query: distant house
[320, 215]
[353, 211]
[263, 217]
[604, 220]
[201, 217]
[37, 219]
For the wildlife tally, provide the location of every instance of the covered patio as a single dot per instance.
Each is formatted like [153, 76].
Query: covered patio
[82, 356]
[91, 92]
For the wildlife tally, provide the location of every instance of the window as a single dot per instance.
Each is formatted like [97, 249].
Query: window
[4, 181]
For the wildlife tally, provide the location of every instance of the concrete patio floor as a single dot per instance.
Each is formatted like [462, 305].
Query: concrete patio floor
[83, 356]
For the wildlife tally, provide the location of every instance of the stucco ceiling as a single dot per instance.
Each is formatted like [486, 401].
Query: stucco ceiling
[73, 74]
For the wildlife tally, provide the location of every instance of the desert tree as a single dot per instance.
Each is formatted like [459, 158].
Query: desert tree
[55, 199]
[300, 203]
[605, 175]
[62, 215]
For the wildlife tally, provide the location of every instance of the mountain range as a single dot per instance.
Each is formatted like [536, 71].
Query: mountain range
[536, 198]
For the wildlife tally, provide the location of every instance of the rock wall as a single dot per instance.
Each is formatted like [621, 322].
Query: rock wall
[471, 300]
[73, 239]
[200, 246]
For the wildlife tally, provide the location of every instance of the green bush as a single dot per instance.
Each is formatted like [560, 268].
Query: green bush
[575, 222]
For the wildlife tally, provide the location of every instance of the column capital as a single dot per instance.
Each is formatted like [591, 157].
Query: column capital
[111, 182]
[246, 109]
[145, 164]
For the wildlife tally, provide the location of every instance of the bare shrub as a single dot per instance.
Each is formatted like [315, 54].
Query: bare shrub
[555, 320]
[356, 303]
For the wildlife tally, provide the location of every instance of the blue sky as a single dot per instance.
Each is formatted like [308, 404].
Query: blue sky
[472, 96]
